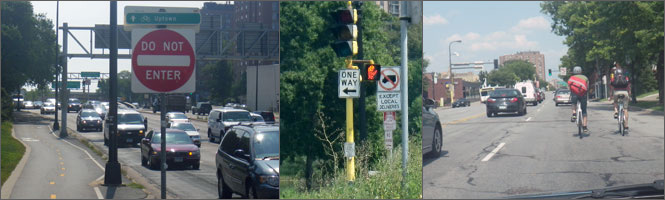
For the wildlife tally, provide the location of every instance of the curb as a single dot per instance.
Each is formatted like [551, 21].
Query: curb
[8, 187]
[636, 108]
[152, 191]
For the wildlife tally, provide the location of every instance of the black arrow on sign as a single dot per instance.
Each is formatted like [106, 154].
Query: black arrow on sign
[391, 77]
[346, 90]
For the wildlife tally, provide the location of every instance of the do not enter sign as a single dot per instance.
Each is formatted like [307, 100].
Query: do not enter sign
[163, 61]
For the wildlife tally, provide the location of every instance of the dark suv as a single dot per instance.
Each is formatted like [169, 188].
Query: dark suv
[247, 162]
[131, 127]
[201, 108]
[74, 105]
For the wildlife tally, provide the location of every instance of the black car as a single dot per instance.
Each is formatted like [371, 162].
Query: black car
[201, 108]
[432, 134]
[268, 117]
[461, 102]
[247, 162]
[74, 105]
[505, 100]
[88, 119]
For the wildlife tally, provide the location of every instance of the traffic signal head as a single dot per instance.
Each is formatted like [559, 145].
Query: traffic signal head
[496, 64]
[345, 48]
[370, 72]
[345, 32]
[550, 71]
[345, 16]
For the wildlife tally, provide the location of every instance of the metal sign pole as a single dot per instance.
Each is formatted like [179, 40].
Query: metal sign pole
[64, 92]
[112, 172]
[162, 156]
[405, 91]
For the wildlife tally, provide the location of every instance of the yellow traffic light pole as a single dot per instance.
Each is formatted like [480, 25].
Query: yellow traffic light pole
[350, 162]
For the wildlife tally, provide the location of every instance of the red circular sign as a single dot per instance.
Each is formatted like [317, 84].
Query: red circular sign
[163, 60]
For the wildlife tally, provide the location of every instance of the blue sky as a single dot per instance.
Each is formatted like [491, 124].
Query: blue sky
[487, 30]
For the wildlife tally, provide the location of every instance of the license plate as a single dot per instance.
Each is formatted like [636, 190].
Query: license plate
[177, 159]
[129, 140]
[502, 107]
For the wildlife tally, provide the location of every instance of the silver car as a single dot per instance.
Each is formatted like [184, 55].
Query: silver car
[432, 131]
[562, 97]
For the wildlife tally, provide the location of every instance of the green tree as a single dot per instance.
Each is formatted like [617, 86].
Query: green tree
[524, 70]
[28, 48]
[502, 78]
[221, 81]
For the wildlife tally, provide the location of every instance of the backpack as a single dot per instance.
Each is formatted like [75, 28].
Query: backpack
[620, 81]
[577, 85]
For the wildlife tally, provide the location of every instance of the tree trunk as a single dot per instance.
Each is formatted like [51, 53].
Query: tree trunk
[659, 77]
[308, 169]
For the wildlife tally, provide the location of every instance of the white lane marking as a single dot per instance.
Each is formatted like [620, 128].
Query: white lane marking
[493, 152]
[99, 193]
[100, 178]
[528, 119]
[27, 139]
[538, 110]
[84, 151]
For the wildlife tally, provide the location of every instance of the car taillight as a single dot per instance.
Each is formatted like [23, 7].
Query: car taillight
[491, 100]
[513, 100]
[558, 96]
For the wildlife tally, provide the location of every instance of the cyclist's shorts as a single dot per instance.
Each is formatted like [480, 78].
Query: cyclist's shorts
[619, 92]
[583, 101]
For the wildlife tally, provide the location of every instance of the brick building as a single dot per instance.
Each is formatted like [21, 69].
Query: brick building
[534, 57]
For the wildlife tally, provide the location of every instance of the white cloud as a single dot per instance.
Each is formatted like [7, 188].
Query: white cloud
[471, 36]
[532, 23]
[436, 19]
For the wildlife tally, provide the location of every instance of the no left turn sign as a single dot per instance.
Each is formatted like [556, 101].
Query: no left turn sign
[388, 80]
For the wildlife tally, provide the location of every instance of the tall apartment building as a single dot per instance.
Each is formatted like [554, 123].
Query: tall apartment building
[259, 15]
[393, 8]
[534, 57]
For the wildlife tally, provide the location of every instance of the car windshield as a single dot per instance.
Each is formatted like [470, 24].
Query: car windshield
[266, 145]
[177, 116]
[237, 117]
[504, 93]
[130, 119]
[483, 93]
[100, 108]
[184, 126]
[89, 114]
[563, 92]
[172, 138]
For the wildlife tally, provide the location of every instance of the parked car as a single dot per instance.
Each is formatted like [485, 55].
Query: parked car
[38, 104]
[201, 108]
[88, 119]
[268, 117]
[131, 127]
[562, 97]
[461, 102]
[176, 117]
[528, 91]
[247, 162]
[189, 128]
[47, 108]
[432, 131]
[28, 105]
[220, 120]
[74, 104]
[181, 149]
[506, 100]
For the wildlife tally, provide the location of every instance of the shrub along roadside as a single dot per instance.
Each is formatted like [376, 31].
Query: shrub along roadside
[386, 184]
[11, 152]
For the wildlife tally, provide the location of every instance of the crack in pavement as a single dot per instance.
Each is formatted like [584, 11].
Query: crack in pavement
[606, 178]
[499, 155]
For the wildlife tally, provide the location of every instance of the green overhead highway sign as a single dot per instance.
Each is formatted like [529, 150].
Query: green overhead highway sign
[90, 74]
[70, 84]
[162, 18]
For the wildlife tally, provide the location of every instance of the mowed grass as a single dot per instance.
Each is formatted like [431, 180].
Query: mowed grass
[647, 94]
[11, 152]
[653, 105]
[384, 185]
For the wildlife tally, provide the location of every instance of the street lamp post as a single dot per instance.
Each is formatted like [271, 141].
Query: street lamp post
[450, 71]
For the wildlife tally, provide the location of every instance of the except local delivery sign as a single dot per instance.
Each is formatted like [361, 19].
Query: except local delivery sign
[163, 61]
[388, 101]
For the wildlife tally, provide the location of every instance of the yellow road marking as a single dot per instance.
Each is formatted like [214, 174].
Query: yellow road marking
[52, 183]
[463, 119]
[53, 196]
[62, 163]
[62, 174]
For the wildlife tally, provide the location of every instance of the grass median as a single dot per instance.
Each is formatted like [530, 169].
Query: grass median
[12, 151]
[651, 105]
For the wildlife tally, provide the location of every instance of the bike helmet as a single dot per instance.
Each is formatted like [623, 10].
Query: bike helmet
[577, 70]
[618, 71]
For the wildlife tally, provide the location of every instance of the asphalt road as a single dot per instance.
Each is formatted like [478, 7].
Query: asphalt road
[541, 152]
[55, 168]
[181, 182]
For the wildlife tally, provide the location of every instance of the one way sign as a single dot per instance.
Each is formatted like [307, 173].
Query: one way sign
[349, 83]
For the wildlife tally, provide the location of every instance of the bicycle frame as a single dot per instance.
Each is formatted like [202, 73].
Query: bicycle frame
[579, 118]
[622, 115]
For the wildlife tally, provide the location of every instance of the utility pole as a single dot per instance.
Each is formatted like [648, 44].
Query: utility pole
[361, 104]
[65, 92]
[404, 18]
[112, 172]
[57, 65]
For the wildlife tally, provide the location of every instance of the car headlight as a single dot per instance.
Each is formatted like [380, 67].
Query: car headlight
[194, 153]
[84, 122]
[270, 180]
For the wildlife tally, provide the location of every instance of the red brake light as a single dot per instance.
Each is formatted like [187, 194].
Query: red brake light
[491, 100]
[513, 100]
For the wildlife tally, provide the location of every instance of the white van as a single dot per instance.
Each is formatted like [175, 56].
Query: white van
[528, 90]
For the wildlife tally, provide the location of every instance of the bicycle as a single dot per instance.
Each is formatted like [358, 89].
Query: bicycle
[622, 116]
[578, 121]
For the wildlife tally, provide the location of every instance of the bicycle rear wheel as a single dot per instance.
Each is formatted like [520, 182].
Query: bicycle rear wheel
[579, 120]
[621, 118]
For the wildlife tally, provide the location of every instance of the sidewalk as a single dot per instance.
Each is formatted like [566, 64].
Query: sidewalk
[650, 101]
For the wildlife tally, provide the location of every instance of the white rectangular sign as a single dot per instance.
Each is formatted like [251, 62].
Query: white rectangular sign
[388, 101]
[562, 71]
[388, 140]
[349, 83]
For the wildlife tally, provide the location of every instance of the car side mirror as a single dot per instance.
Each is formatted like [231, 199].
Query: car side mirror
[197, 143]
[145, 140]
[240, 153]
